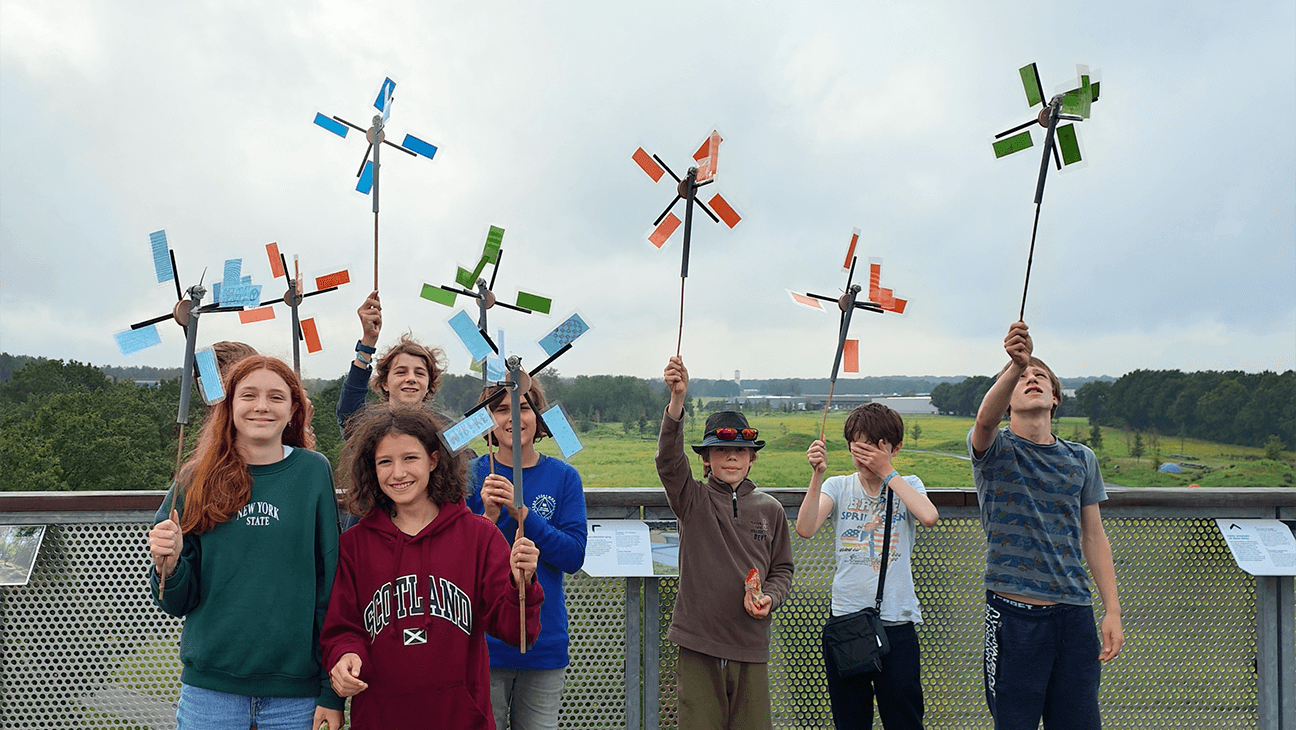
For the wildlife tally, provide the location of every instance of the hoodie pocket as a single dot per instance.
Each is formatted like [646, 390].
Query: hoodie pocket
[421, 705]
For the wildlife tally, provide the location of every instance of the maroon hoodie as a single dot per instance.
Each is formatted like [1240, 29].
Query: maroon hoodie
[415, 610]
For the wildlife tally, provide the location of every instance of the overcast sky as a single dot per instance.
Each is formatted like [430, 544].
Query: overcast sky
[1173, 247]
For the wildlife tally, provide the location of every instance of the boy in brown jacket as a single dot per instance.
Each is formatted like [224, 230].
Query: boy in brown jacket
[727, 530]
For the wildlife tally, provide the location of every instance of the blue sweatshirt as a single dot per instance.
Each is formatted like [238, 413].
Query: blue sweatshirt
[552, 492]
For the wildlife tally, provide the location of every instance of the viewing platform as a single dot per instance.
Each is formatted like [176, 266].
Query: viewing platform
[1207, 645]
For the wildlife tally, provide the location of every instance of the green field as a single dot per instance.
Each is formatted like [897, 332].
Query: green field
[613, 458]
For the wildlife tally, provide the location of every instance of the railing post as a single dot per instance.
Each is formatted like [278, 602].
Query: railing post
[1275, 665]
[652, 654]
[634, 657]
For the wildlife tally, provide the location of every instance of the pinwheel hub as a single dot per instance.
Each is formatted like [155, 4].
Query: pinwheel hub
[181, 313]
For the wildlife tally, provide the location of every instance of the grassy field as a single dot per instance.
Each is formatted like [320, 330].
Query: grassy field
[613, 458]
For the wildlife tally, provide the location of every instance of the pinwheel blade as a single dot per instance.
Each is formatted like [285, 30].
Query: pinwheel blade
[648, 164]
[724, 210]
[1009, 145]
[1031, 84]
[161, 257]
[418, 146]
[534, 302]
[1068, 144]
[331, 125]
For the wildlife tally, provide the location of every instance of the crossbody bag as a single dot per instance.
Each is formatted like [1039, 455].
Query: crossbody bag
[858, 641]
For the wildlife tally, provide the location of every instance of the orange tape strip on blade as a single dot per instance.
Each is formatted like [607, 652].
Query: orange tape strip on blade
[648, 164]
[708, 157]
[337, 278]
[850, 356]
[311, 335]
[806, 301]
[664, 230]
[899, 306]
[724, 210]
[850, 252]
[261, 314]
[276, 263]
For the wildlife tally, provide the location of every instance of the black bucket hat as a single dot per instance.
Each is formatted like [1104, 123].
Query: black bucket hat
[726, 419]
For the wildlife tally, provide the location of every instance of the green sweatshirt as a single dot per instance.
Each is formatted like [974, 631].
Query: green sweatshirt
[254, 590]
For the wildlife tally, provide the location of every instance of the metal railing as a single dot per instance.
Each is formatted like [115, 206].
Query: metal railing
[1207, 645]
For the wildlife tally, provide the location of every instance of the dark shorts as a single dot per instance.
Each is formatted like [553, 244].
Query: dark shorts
[1041, 662]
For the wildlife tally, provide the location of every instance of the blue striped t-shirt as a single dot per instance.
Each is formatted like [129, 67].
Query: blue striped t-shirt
[1030, 496]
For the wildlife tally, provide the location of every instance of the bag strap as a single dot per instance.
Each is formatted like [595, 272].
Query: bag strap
[886, 550]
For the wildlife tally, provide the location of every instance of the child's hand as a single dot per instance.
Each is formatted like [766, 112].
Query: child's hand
[817, 455]
[496, 492]
[370, 319]
[1018, 344]
[676, 376]
[166, 540]
[876, 459]
[1113, 636]
[524, 558]
[757, 607]
[326, 718]
[345, 676]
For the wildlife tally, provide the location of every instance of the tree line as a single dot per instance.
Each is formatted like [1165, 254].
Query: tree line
[1229, 407]
[70, 426]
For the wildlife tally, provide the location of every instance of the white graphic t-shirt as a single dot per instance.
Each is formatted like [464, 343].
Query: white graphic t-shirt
[857, 521]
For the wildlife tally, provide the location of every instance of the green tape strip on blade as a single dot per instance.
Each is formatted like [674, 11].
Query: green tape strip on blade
[494, 239]
[1030, 81]
[1068, 145]
[465, 278]
[438, 295]
[1015, 143]
[533, 302]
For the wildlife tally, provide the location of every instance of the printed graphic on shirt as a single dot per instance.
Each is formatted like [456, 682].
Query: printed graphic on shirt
[545, 505]
[415, 636]
[258, 514]
[445, 601]
[861, 540]
[760, 530]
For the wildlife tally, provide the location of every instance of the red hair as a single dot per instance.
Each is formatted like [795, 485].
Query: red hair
[216, 479]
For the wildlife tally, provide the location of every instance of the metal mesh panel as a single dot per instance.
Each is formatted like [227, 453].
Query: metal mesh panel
[1189, 617]
[83, 646]
[594, 696]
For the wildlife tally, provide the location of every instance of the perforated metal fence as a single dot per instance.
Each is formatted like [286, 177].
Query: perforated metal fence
[82, 646]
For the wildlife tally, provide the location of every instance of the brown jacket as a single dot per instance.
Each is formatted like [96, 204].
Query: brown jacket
[716, 552]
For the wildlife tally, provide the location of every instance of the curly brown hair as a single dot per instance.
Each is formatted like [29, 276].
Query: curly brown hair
[433, 357]
[537, 397]
[357, 474]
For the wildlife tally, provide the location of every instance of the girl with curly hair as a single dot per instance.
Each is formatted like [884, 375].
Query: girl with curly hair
[420, 581]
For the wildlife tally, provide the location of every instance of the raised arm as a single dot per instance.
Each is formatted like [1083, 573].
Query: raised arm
[356, 386]
[672, 464]
[815, 506]
[1018, 345]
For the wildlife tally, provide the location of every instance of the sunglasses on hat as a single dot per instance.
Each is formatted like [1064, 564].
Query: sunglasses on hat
[732, 434]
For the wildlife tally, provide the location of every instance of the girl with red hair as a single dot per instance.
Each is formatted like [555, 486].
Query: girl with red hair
[245, 548]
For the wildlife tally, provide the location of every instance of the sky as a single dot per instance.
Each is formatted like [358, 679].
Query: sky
[1172, 246]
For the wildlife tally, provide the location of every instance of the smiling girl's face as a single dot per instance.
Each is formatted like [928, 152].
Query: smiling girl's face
[403, 467]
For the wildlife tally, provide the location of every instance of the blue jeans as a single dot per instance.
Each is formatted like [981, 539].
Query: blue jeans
[205, 709]
[1041, 662]
[530, 697]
